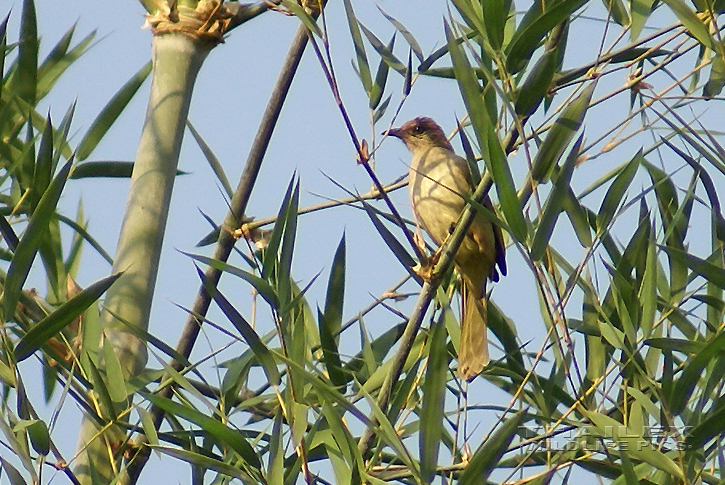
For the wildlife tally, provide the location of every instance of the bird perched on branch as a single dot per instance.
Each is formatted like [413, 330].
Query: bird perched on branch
[436, 182]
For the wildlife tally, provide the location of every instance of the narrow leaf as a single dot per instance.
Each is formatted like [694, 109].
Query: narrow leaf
[488, 455]
[110, 113]
[30, 241]
[65, 314]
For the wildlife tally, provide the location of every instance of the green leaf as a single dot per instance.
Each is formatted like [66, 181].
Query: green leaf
[537, 84]
[265, 289]
[617, 11]
[716, 81]
[14, 476]
[363, 67]
[432, 410]
[611, 429]
[110, 113]
[561, 134]
[43, 165]
[265, 357]
[30, 242]
[269, 257]
[392, 242]
[488, 456]
[381, 78]
[114, 374]
[25, 80]
[305, 17]
[538, 21]
[3, 44]
[616, 191]
[60, 59]
[692, 22]
[711, 425]
[414, 46]
[330, 322]
[214, 162]
[56, 321]
[39, 436]
[204, 462]
[711, 272]
[385, 52]
[106, 407]
[555, 203]
[286, 250]
[227, 436]
[693, 370]
[640, 11]
[495, 16]
[579, 218]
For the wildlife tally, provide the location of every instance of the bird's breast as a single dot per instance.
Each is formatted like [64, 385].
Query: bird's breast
[438, 177]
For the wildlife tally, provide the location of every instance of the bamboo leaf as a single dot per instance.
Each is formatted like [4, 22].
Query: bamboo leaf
[640, 11]
[114, 374]
[25, 80]
[692, 22]
[537, 84]
[385, 52]
[611, 429]
[110, 113]
[488, 455]
[213, 161]
[710, 426]
[363, 67]
[233, 438]
[617, 11]
[414, 46]
[39, 436]
[432, 410]
[284, 270]
[561, 134]
[269, 257]
[392, 242]
[263, 287]
[716, 81]
[381, 78]
[39, 334]
[60, 59]
[260, 350]
[615, 194]
[203, 461]
[541, 18]
[692, 371]
[43, 170]
[330, 321]
[305, 17]
[30, 242]
[555, 203]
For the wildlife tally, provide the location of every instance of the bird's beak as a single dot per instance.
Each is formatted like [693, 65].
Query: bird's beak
[393, 132]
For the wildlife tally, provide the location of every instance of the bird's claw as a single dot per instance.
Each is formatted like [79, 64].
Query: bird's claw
[424, 268]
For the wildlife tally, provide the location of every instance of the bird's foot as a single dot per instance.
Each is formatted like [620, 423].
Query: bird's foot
[424, 268]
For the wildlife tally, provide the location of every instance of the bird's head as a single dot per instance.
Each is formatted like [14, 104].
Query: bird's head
[421, 133]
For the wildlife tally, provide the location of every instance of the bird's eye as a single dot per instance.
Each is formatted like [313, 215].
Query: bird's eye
[418, 129]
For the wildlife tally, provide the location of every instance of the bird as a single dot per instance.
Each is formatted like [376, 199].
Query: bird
[437, 181]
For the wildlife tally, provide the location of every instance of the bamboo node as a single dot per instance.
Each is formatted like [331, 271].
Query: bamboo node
[207, 23]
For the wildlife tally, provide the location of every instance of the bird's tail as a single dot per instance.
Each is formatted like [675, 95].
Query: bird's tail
[473, 348]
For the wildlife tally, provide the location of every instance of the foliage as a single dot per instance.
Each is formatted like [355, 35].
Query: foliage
[625, 387]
